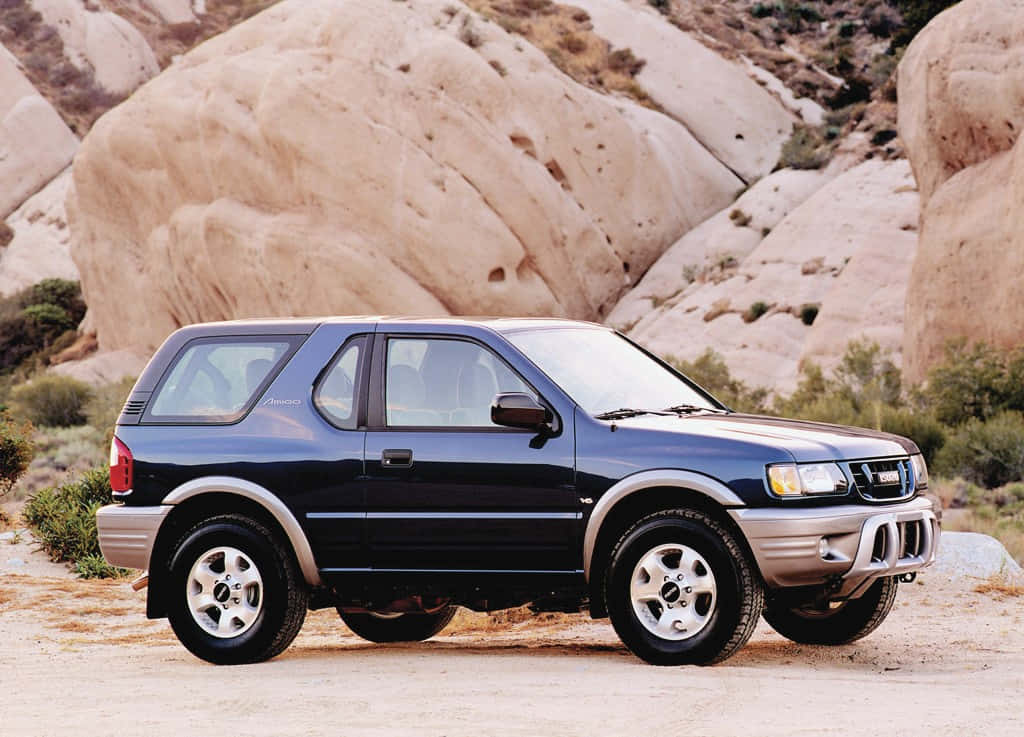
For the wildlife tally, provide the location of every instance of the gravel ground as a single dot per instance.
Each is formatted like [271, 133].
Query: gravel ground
[80, 658]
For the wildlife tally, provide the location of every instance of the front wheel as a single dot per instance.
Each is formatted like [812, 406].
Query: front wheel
[837, 624]
[681, 590]
[408, 627]
[235, 592]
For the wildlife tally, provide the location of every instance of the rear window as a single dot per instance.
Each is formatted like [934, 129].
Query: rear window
[216, 380]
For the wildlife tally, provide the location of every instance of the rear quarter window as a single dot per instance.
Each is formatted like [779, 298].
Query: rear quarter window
[217, 380]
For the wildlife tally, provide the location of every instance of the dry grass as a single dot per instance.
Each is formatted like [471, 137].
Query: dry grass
[566, 35]
[1001, 589]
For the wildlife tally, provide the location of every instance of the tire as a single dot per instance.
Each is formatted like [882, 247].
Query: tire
[215, 560]
[411, 627]
[681, 590]
[848, 622]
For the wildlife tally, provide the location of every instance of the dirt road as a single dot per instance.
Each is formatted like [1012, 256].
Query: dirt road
[79, 658]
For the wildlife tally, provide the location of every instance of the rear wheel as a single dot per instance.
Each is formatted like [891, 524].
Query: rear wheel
[836, 625]
[398, 627]
[235, 594]
[680, 589]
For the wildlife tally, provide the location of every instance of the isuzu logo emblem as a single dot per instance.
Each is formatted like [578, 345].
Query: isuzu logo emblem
[887, 477]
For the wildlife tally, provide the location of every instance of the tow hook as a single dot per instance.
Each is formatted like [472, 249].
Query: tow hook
[141, 582]
[908, 577]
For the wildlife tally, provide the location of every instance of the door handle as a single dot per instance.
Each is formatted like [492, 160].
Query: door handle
[396, 458]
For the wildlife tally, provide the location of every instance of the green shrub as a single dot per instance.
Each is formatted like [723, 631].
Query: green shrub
[52, 401]
[95, 566]
[975, 381]
[49, 317]
[988, 452]
[33, 320]
[805, 149]
[808, 313]
[756, 310]
[921, 427]
[710, 372]
[63, 518]
[104, 406]
[16, 451]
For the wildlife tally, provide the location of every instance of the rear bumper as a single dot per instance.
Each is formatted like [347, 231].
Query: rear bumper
[861, 543]
[127, 534]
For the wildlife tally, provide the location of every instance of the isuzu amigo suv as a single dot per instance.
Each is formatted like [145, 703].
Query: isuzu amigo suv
[397, 469]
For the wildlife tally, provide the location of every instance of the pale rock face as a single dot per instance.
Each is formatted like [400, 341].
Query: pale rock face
[727, 237]
[330, 157]
[961, 92]
[863, 220]
[102, 41]
[730, 114]
[175, 11]
[35, 144]
[103, 368]
[40, 248]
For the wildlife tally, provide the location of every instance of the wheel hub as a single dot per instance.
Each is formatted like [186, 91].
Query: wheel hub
[224, 592]
[673, 591]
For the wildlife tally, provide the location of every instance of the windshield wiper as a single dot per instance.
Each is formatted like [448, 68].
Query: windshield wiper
[687, 409]
[623, 412]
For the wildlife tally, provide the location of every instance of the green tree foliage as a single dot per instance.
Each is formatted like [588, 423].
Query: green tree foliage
[32, 321]
[988, 452]
[709, 370]
[16, 450]
[975, 381]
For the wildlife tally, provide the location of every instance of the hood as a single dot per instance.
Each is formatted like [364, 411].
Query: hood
[806, 441]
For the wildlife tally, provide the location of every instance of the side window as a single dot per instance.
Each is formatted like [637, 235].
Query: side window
[434, 382]
[335, 395]
[216, 379]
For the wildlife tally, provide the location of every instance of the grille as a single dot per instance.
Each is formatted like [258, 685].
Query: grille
[883, 480]
[134, 406]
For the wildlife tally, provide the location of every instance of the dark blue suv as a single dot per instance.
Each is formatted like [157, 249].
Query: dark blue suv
[399, 468]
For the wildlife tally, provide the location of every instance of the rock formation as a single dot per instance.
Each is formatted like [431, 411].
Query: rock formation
[35, 144]
[741, 282]
[961, 110]
[375, 156]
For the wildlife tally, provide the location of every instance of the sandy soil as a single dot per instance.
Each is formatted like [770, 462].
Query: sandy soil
[79, 657]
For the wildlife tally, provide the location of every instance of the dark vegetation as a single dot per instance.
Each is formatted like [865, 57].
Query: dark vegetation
[63, 520]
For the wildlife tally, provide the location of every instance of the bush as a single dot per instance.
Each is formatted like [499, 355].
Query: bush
[756, 310]
[916, 14]
[805, 149]
[52, 401]
[16, 451]
[63, 518]
[988, 452]
[104, 406]
[33, 320]
[49, 317]
[975, 381]
[710, 372]
[808, 313]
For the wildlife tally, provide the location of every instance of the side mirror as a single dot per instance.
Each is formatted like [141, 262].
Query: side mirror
[516, 409]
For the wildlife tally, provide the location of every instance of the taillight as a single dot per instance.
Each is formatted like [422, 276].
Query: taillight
[120, 467]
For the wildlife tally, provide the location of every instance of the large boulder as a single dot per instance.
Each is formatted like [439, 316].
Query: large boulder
[741, 123]
[961, 110]
[35, 144]
[845, 249]
[40, 248]
[374, 156]
[101, 42]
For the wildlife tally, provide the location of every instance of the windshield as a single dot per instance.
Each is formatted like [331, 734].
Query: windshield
[602, 371]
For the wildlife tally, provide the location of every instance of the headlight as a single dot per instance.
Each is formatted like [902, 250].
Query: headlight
[920, 471]
[790, 479]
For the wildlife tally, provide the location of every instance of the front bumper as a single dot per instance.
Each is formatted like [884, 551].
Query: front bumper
[862, 543]
[127, 534]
